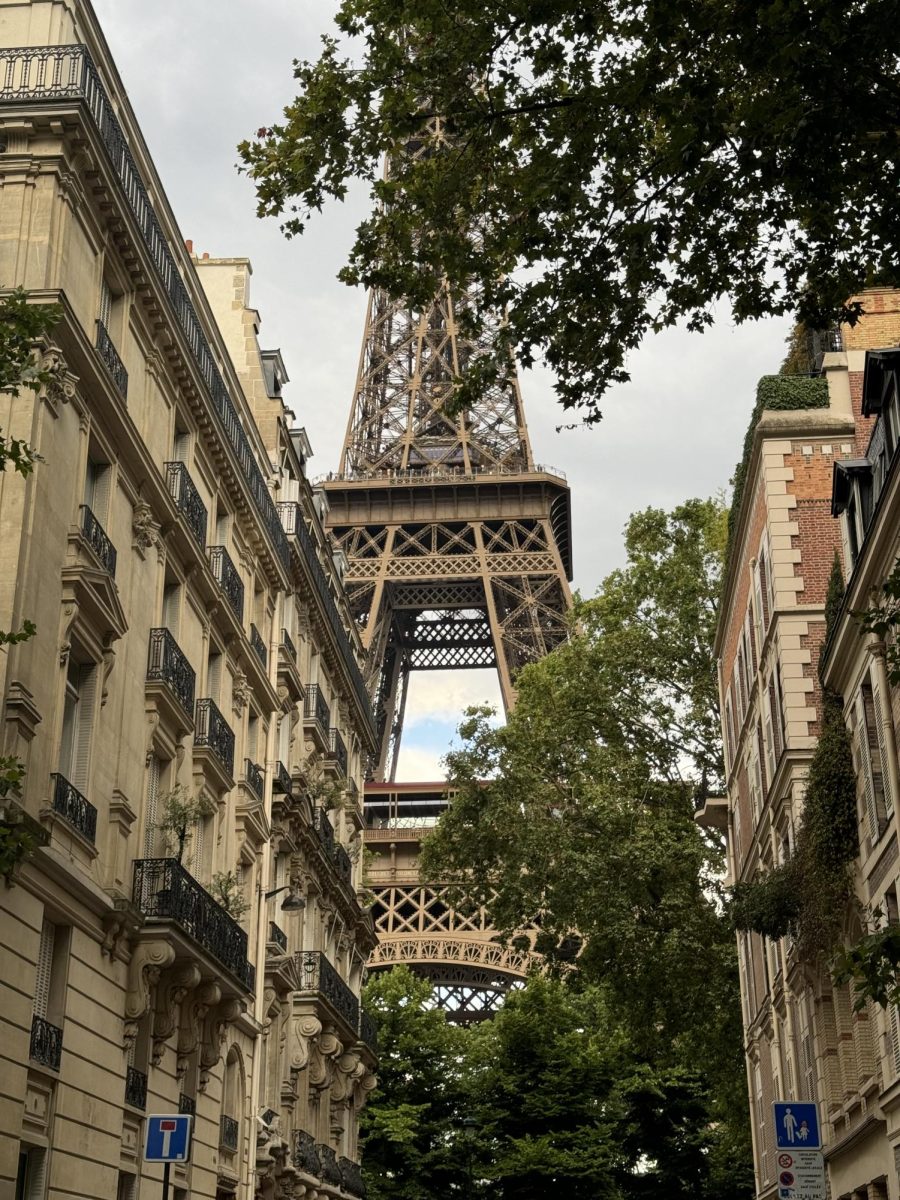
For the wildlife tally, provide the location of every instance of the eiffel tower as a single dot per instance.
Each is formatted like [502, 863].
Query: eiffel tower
[458, 556]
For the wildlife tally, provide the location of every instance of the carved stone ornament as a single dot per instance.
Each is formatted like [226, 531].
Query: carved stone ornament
[169, 998]
[304, 1029]
[363, 1088]
[147, 961]
[215, 1026]
[348, 1069]
[193, 1014]
[60, 387]
[240, 692]
[324, 1053]
[144, 530]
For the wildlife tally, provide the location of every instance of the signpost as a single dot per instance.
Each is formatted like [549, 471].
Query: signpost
[801, 1166]
[167, 1139]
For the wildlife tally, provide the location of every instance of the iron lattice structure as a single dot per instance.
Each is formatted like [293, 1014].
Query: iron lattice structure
[458, 556]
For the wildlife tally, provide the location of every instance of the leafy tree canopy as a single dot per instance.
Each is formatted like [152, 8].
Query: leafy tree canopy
[612, 168]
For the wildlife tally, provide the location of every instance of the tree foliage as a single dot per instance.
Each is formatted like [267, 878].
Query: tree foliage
[577, 815]
[612, 168]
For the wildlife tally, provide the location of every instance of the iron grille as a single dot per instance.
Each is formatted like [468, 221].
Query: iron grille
[339, 857]
[98, 540]
[187, 1105]
[343, 864]
[318, 975]
[135, 1088]
[820, 342]
[351, 1178]
[74, 808]
[228, 1133]
[228, 579]
[187, 500]
[258, 645]
[331, 1172]
[315, 708]
[326, 831]
[214, 732]
[253, 774]
[278, 936]
[111, 360]
[305, 1155]
[165, 890]
[46, 1043]
[168, 665]
[338, 750]
[368, 1030]
[64, 72]
[281, 780]
[287, 644]
[295, 526]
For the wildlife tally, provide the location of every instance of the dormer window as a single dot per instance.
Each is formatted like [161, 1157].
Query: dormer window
[851, 497]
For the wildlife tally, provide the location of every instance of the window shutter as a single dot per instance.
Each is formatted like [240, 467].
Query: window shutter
[198, 848]
[751, 639]
[151, 834]
[44, 969]
[36, 1174]
[105, 303]
[775, 710]
[895, 1037]
[883, 751]
[761, 621]
[761, 764]
[866, 762]
[81, 748]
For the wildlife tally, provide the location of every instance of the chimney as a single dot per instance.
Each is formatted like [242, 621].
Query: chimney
[189, 246]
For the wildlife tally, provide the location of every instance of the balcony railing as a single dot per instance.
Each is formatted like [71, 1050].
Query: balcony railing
[331, 1172]
[213, 731]
[253, 774]
[318, 975]
[228, 579]
[281, 780]
[187, 500]
[259, 646]
[74, 808]
[96, 537]
[326, 831]
[368, 1031]
[315, 708]
[168, 665]
[305, 1155]
[287, 644]
[339, 857]
[292, 518]
[820, 342]
[164, 890]
[228, 1133]
[135, 1088]
[351, 1178]
[338, 751]
[64, 73]
[46, 1043]
[187, 1105]
[111, 360]
[278, 937]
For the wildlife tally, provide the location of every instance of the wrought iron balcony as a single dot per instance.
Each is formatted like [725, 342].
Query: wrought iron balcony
[259, 646]
[111, 360]
[287, 644]
[295, 526]
[168, 665]
[315, 708]
[96, 537]
[253, 774]
[338, 751]
[135, 1088]
[187, 500]
[187, 1105]
[211, 730]
[820, 342]
[278, 937]
[339, 857]
[46, 1043]
[331, 1172]
[305, 1155]
[165, 891]
[74, 808]
[228, 579]
[228, 1133]
[343, 864]
[319, 976]
[368, 1030]
[281, 780]
[351, 1178]
[325, 830]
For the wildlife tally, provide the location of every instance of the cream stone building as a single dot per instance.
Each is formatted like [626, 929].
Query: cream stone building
[187, 935]
[804, 1039]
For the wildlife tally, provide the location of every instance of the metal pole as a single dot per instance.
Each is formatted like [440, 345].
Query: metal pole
[166, 1168]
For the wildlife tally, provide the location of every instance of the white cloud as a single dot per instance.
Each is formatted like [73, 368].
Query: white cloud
[445, 695]
[419, 765]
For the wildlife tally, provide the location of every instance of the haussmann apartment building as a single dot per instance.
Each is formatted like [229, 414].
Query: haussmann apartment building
[819, 480]
[186, 936]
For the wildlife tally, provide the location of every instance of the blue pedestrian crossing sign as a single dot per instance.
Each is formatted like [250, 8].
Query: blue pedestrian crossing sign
[797, 1126]
[168, 1138]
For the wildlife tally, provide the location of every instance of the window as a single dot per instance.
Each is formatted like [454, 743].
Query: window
[96, 488]
[761, 1132]
[214, 675]
[153, 838]
[729, 731]
[31, 1179]
[171, 606]
[105, 307]
[78, 715]
[873, 758]
[49, 1002]
[126, 1189]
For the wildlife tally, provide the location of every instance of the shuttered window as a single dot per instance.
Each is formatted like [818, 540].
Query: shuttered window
[151, 815]
[894, 1021]
[105, 303]
[881, 736]
[870, 761]
[44, 970]
[96, 489]
[78, 715]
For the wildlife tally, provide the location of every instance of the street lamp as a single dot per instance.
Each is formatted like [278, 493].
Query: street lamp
[290, 903]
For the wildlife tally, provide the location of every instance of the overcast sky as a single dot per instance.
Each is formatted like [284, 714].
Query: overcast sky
[204, 74]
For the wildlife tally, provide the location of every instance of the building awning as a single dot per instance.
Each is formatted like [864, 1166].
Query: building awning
[842, 481]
